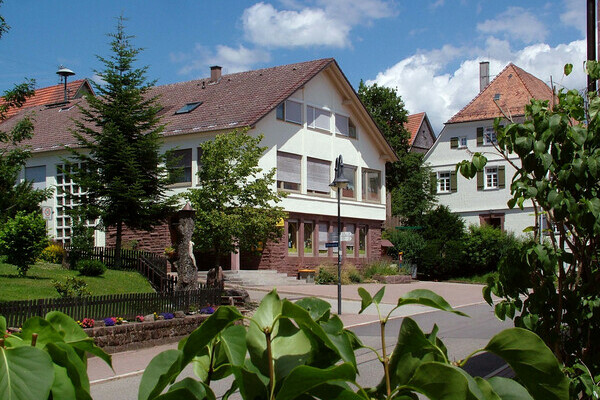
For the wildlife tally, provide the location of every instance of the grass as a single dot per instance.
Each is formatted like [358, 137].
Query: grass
[38, 282]
[475, 278]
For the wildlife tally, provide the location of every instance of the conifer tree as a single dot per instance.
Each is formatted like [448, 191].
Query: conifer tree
[120, 165]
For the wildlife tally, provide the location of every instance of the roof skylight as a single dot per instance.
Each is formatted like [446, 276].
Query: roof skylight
[189, 107]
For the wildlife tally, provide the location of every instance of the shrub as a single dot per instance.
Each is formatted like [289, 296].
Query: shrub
[328, 275]
[53, 253]
[82, 241]
[410, 243]
[91, 267]
[442, 259]
[325, 276]
[484, 247]
[442, 224]
[22, 240]
[73, 287]
[380, 268]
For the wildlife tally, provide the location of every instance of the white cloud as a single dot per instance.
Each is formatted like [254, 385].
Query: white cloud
[325, 23]
[425, 84]
[575, 15]
[231, 59]
[516, 23]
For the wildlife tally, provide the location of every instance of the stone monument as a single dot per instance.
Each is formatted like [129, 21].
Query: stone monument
[182, 225]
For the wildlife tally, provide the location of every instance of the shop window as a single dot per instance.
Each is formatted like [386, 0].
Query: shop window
[308, 238]
[362, 241]
[349, 244]
[292, 237]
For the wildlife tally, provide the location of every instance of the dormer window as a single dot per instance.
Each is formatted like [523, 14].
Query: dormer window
[189, 107]
[290, 111]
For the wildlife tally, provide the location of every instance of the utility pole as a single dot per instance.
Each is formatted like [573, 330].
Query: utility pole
[591, 39]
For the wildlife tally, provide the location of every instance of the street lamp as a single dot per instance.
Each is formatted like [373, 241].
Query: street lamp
[340, 182]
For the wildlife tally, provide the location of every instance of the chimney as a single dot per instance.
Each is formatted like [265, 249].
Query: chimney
[215, 73]
[484, 75]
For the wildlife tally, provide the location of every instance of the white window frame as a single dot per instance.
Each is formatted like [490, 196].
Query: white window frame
[284, 107]
[491, 178]
[349, 126]
[489, 136]
[444, 183]
[462, 142]
[37, 176]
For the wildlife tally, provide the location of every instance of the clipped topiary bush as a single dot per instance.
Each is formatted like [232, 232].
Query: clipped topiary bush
[91, 267]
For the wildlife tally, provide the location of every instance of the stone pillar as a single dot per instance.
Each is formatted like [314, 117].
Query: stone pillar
[183, 227]
[235, 261]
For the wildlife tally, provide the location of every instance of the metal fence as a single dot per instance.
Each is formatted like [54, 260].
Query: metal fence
[119, 305]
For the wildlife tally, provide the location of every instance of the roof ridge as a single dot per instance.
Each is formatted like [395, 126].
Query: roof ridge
[520, 73]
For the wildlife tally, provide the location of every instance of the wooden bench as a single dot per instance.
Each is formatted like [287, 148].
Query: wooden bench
[307, 274]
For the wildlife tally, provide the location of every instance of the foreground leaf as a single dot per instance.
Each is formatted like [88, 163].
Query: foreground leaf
[440, 381]
[304, 378]
[65, 356]
[26, 373]
[162, 370]
[427, 298]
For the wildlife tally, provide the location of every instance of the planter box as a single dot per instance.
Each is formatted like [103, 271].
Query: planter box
[136, 335]
[392, 279]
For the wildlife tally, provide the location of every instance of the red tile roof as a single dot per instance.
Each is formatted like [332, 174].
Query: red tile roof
[236, 100]
[412, 125]
[516, 88]
[52, 95]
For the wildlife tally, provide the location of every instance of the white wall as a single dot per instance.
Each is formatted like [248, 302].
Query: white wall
[467, 200]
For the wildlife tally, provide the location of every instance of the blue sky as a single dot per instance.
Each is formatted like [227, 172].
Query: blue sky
[429, 50]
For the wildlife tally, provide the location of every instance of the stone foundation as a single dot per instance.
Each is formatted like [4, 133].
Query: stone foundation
[136, 335]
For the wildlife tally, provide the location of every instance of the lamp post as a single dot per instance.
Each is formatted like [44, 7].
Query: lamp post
[340, 182]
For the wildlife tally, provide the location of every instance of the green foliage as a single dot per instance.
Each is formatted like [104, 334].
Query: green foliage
[22, 240]
[325, 276]
[53, 253]
[73, 287]
[484, 247]
[91, 267]
[82, 239]
[301, 350]
[381, 267]
[410, 243]
[408, 178]
[123, 171]
[558, 171]
[235, 198]
[441, 223]
[47, 359]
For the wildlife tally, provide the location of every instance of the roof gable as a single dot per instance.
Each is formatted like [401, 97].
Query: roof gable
[412, 125]
[53, 95]
[516, 88]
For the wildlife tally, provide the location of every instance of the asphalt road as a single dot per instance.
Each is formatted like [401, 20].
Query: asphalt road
[461, 336]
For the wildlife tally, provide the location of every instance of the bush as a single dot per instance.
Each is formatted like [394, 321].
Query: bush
[484, 247]
[82, 241]
[22, 240]
[91, 267]
[325, 276]
[410, 243]
[442, 259]
[442, 224]
[380, 268]
[328, 275]
[53, 253]
[73, 287]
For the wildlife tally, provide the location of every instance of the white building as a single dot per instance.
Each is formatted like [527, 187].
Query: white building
[308, 113]
[484, 200]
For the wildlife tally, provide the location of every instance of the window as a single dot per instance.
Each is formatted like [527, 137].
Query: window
[180, 166]
[290, 111]
[318, 118]
[308, 238]
[344, 126]
[350, 243]
[292, 237]
[323, 233]
[362, 241]
[491, 178]
[462, 142]
[443, 180]
[495, 220]
[371, 185]
[317, 177]
[199, 161]
[37, 176]
[189, 107]
[489, 136]
[288, 171]
[68, 194]
[349, 192]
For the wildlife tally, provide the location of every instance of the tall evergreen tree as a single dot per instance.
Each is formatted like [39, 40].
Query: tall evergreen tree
[121, 167]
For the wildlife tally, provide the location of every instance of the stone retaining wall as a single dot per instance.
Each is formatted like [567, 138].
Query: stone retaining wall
[136, 335]
[392, 279]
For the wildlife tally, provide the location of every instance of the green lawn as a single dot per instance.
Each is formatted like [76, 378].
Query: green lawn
[38, 282]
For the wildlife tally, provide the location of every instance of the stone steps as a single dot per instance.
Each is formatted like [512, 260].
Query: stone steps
[256, 278]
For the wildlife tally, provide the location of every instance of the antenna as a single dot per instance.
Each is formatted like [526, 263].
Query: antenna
[64, 73]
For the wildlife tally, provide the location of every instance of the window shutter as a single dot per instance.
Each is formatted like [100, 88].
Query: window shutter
[318, 175]
[480, 136]
[288, 167]
[433, 182]
[501, 177]
[479, 180]
[454, 143]
[453, 185]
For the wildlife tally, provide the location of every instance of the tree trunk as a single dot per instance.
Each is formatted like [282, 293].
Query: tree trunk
[118, 240]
